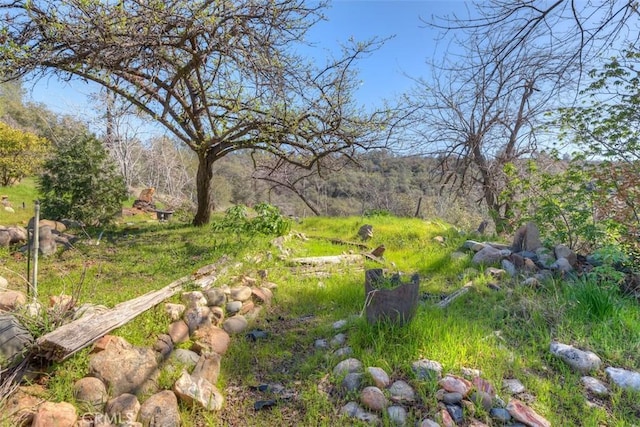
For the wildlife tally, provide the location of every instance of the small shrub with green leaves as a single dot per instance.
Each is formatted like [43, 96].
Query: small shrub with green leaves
[267, 221]
[80, 182]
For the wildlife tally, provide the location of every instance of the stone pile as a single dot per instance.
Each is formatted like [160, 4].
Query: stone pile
[119, 373]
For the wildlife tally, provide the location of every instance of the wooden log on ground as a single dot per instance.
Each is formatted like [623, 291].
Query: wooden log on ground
[326, 260]
[448, 300]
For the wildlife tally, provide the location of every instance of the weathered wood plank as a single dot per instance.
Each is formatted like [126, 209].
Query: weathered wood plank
[448, 300]
[65, 341]
[325, 260]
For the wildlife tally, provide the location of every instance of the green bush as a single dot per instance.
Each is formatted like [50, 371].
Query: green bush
[268, 221]
[80, 182]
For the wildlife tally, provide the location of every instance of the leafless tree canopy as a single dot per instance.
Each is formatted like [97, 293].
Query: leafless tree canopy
[219, 75]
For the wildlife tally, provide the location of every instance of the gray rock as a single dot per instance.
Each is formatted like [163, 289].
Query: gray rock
[233, 307]
[452, 398]
[509, 267]
[427, 423]
[240, 293]
[124, 407]
[343, 351]
[353, 410]
[194, 299]
[4, 284]
[527, 238]
[215, 297]
[500, 414]
[402, 392]
[456, 413]
[352, 381]
[174, 311]
[321, 344]
[582, 361]
[339, 324]
[397, 415]
[513, 386]
[160, 410]
[207, 368]
[563, 265]
[595, 386]
[427, 369]
[197, 316]
[473, 245]
[338, 340]
[624, 378]
[186, 357]
[379, 376]
[487, 256]
[235, 324]
[563, 251]
[347, 366]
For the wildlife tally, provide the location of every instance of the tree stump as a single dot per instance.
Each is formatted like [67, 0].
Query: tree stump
[390, 299]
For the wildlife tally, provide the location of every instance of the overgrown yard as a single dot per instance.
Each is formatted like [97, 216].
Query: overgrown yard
[500, 327]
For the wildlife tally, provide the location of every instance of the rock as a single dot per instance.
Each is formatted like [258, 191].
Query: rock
[198, 391]
[262, 294]
[4, 284]
[365, 232]
[457, 256]
[496, 273]
[402, 392]
[513, 386]
[179, 332]
[124, 408]
[347, 366]
[196, 317]
[473, 245]
[526, 238]
[342, 352]
[160, 410]
[215, 297]
[247, 307]
[211, 338]
[452, 398]
[12, 300]
[321, 343]
[235, 324]
[563, 251]
[500, 414]
[562, 265]
[521, 412]
[338, 340]
[483, 399]
[397, 415]
[90, 393]
[484, 386]
[373, 398]
[445, 419]
[379, 376]
[52, 414]
[216, 315]
[427, 423]
[509, 267]
[427, 369]
[456, 412]
[339, 324]
[186, 357]
[146, 195]
[545, 257]
[487, 256]
[531, 281]
[582, 361]
[623, 378]
[194, 299]
[124, 368]
[163, 345]
[207, 368]
[21, 406]
[233, 307]
[453, 383]
[595, 386]
[241, 293]
[470, 372]
[174, 311]
[353, 410]
[352, 381]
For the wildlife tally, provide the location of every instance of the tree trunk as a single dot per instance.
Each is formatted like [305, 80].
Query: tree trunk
[203, 190]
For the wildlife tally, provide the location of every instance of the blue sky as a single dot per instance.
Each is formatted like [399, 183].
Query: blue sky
[382, 73]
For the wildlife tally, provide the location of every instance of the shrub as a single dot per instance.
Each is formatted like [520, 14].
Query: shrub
[80, 182]
[268, 220]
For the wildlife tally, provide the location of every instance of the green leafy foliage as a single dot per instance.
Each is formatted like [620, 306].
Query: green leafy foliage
[21, 154]
[267, 221]
[80, 182]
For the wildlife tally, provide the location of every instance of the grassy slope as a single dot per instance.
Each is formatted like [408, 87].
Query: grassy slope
[506, 334]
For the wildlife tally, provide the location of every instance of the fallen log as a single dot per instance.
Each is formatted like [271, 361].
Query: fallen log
[325, 260]
[448, 300]
[65, 341]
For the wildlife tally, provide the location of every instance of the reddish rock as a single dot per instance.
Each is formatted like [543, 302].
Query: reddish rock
[211, 338]
[247, 306]
[160, 410]
[179, 332]
[11, 300]
[198, 391]
[445, 419]
[124, 408]
[453, 383]
[526, 415]
[483, 386]
[52, 414]
[91, 393]
[263, 295]
[373, 398]
[208, 368]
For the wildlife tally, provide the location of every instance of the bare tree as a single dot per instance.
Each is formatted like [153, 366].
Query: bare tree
[220, 76]
[478, 118]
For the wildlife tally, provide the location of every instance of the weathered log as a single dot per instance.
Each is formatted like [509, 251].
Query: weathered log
[448, 300]
[74, 336]
[324, 260]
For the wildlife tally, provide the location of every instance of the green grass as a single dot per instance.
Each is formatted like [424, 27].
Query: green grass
[505, 334]
[22, 198]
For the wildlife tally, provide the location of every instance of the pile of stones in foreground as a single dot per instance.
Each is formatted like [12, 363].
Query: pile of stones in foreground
[120, 373]
[459, 395]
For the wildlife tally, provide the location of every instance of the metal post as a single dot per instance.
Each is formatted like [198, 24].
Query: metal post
[36, 249]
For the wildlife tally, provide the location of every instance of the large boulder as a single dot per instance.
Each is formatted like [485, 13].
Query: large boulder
[527, 238]
[160, 410]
